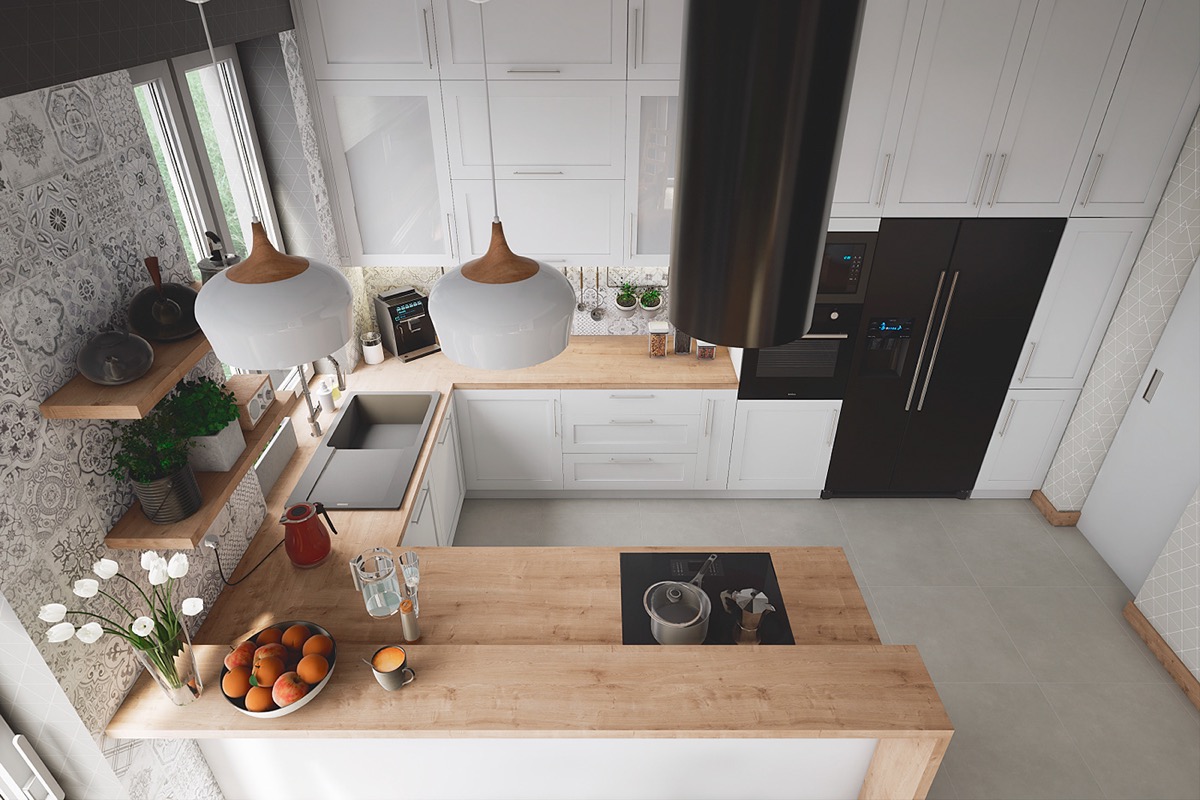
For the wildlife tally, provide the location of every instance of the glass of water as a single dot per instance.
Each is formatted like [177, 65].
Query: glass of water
[374, 573]
[410, 564]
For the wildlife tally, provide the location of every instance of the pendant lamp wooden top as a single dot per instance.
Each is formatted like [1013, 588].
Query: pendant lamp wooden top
[499, 264]
[265, 264]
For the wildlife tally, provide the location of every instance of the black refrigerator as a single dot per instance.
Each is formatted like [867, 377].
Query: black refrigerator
[946, 313]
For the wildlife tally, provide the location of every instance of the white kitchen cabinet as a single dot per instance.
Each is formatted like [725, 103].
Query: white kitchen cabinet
[532, 39]
[717, 415]
[447, 482]
[619, 422]
[561, 222]
[1094, 260]
[650, 152]
[422, 525]
[511, 439]
[540, 129]
[370, 39]
[655, 39]
[608, 472]
[887, 46]
[1149, 116]
[387, 151]
[1027, 434]
[783, 444]
[1068, 71]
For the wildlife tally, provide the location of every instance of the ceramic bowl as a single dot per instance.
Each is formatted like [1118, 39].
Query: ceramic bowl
[240, 702]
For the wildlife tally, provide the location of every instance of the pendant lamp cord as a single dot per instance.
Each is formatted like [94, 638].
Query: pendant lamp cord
[208, 36]
[487, 101]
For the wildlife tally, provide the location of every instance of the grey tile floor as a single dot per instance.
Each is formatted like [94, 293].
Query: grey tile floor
[1051, 693]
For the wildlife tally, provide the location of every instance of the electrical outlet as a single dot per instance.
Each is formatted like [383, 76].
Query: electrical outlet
[211, 540]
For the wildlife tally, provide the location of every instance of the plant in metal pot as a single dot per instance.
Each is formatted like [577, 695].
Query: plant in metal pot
[153, 453]
[627, 299]
[207, 413]
[651, 301]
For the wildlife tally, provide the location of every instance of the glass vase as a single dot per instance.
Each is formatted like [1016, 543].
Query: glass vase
[172, 663]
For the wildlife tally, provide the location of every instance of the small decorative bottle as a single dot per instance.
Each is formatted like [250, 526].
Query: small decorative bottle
[408, 622]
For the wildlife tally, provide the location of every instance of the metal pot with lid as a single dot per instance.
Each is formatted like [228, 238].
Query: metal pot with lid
[678, 611]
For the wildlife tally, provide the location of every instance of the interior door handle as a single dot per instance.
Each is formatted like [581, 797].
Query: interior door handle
[1152, 386]
[925, 341]
[937, 343]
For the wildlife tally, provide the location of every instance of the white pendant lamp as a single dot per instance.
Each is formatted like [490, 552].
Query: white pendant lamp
[501, 311]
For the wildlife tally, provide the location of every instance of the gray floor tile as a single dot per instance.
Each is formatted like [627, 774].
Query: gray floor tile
[1139, 741]
[592, 530]
[876, 507]
[876, 617]
[959, 636]
[948, 508]
[500, 523]
[1114, 599]
[1067, 635]
[1009, 744]
[682, 529]
[1011, 550]
[791, 523]
[905, 550]
[943, 787]
[1085, 558]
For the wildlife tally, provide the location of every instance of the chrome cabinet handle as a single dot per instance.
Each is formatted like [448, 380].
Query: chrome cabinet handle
[937, 343]
[428, 46]
[555, 413]
[825, 336]
[631, 422]
[447, 421]
[421, 508]
[987, 170]
[632, 234]
[708, 414]
[630, 397]
[636, 36]
[1088, 194]
[631, 461]
[833, 427]
[450, 235]
[537, 172]
[924, 341]
[887, 168]
[1028, 362]
[518, 70]
[999, 179]
[555, 260]
[1012, 404]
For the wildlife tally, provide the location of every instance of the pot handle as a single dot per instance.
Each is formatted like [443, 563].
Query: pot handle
[703, 569]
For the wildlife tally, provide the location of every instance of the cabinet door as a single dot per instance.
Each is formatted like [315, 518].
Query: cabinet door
[540, 129]
[655, 39]
[650, 152]
[1150, 114]
[510, 439]
[887, 46]
[422, 525]
[1085, 282]
[716, 438]
[370, 39]
[1027, 434]
[537, 39]
[447, 480]
[783, 444]
[561, 222]
[965, 70]
[387, 148]
[605, 471]
[1067, 75]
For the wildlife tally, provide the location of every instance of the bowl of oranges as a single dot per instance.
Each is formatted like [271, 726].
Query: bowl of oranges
[279, 669]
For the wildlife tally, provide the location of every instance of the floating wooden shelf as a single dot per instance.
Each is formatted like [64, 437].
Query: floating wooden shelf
[134, 532]
[82, 399]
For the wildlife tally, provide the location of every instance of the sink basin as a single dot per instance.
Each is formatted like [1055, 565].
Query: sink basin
[366, 458]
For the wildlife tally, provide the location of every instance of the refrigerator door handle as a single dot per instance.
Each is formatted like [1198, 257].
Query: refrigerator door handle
[925, 341]
[937, 342]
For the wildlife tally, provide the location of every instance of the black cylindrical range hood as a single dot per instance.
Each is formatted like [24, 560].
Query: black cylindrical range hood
[764, 94]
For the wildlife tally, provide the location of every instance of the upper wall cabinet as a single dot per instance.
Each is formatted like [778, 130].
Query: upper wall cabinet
[655, 39]
[533, 39]
[370, 39]
[1150, 114]
[540, 129]
[650, 150]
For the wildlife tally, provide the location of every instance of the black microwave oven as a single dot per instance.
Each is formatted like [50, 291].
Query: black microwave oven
[845, 266]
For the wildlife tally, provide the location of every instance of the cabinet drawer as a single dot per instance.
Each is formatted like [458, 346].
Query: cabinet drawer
[613, 403]
[607, 471]
[630, 433]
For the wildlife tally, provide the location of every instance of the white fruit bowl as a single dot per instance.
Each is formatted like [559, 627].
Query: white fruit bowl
[240, 702]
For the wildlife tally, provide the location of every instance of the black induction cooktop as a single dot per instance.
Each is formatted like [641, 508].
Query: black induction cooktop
[731, 571]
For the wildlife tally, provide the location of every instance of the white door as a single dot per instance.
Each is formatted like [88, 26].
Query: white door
[532, 39]
[1152, 470]
[387, 148]
[540, 129]
[1085, 282]
[1027, 434]
[964, 74]
[370, 39]
[887, 46]
[650, 153]
[1149, 116]
[446, 480]
[717, 414]
[561, 222]
[422, 525]
[1067, 75]
[510, 439]
[783, 444]
[655, 39]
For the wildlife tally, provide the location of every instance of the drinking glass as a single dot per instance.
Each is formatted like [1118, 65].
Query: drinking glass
[410, 565]
[374, 574]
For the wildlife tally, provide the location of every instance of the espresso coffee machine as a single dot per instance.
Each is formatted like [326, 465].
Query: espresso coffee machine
[404, 324]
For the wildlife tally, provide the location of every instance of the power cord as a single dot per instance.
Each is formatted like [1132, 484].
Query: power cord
[211, 541]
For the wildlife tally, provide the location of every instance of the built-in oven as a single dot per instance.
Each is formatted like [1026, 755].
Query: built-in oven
[814, 367]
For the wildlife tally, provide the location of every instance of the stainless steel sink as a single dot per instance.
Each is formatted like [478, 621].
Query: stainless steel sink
[367, 457]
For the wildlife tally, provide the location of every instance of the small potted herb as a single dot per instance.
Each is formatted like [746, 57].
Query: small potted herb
[627, 300]
[208, 414]
[153, 453]
[651, 302]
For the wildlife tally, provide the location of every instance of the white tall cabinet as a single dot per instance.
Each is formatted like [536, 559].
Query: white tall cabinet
[783, 444]
[655, 39]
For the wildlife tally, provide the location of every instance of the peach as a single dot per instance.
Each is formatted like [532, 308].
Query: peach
[270, 651]
[267, 671]
[295, 637]
[288, 689]
[269, 636]
[259, 699]
[240, 656]
[320, 645]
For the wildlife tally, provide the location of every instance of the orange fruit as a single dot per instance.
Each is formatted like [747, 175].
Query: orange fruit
[268, 670]
[388, 659]
[259, 699]
[269, 636]
[319, 644]
[236, 682]
[295, 637]
[313, 668]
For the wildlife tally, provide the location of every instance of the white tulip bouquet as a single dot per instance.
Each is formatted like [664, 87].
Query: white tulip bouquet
[159, 638]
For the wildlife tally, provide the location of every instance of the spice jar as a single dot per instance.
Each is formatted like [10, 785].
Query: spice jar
[683, 343]
[658, 338]
[408, 622]
[705, 350]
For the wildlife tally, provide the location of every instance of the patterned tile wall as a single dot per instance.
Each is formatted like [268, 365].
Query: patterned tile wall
[1162, 267]
[1170, 597]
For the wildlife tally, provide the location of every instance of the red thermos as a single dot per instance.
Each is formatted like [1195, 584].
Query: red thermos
[304, 535]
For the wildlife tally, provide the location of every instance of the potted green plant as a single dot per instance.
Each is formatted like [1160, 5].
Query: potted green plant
[651, 302]
[207, 413]
[627, 300]
[153, 453]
